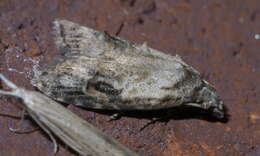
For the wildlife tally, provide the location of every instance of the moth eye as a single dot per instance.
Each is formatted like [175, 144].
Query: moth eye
[106, 88]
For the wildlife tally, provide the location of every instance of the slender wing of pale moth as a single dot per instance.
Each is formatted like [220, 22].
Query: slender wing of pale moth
[97, 70]
[75, 132]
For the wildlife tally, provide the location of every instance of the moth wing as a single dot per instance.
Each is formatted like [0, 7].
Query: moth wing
[118, 74]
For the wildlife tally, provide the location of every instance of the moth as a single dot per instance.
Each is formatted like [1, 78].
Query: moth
[75, 132]
[100, 71]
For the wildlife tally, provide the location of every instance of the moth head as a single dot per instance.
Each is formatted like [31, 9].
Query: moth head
[211, 101]
[208, 99]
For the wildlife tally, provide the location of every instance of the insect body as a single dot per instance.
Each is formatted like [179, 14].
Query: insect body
[99, 71]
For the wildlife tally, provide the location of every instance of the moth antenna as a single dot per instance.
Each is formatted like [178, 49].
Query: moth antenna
[16, 130]
[25, 132]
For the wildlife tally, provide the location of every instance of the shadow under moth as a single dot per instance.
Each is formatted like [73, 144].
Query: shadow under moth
[100, 71]
[75, 132]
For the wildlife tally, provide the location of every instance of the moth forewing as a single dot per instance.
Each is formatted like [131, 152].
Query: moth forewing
[75, 132]
[100, 71]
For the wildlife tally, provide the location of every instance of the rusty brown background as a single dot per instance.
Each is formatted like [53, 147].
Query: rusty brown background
[217, 37]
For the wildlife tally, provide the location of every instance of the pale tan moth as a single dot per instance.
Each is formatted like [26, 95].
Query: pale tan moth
[100, 71]
[75, 132]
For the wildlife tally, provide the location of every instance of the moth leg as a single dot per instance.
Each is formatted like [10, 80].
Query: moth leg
[152, 121]
[24, 132]
[55, 148]
[115, 116]
[17, 130]
[20, 124]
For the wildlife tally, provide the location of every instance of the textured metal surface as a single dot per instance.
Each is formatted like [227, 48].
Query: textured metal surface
[219, 38]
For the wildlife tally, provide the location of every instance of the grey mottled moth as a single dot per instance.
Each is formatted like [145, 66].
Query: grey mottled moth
[100, 71]
[55, 119]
